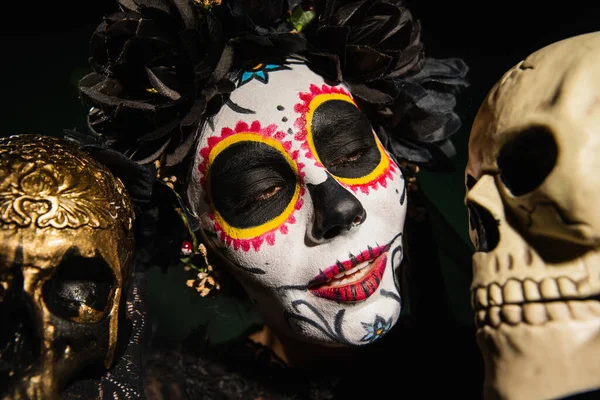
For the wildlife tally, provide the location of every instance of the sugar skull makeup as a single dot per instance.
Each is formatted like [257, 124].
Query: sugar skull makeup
[297, 193]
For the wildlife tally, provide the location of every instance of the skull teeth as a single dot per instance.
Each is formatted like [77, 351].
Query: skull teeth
[533, 303]
[537, 313]
[518, 292]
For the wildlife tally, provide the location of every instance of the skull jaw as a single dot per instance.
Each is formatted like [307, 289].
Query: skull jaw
[42, 382]
[68, 349]
[35, 385]
[49, 375]
[553, 360]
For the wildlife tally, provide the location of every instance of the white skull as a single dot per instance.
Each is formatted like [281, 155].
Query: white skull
[532, 191]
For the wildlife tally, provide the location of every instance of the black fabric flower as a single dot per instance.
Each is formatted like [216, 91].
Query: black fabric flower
[159, 230]
[159, 67]
[364, 41]
[138, 179]
[258, 17]
[258, 31]
[418, 124]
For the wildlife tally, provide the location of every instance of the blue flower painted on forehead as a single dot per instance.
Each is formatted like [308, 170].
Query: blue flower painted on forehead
[260, 72]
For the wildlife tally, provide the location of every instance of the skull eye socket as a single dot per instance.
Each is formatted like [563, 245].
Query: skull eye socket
[527, 160]
[80, 289]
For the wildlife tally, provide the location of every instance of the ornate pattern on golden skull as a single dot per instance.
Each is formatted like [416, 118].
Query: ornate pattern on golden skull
[50, 185]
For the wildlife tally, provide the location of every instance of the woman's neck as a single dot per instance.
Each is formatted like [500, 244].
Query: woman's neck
[296, 353]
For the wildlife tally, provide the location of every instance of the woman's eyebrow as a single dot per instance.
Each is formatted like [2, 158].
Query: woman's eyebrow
[244, 156]
[337, 116]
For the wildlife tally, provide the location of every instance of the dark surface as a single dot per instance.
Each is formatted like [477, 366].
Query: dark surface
[44, 53]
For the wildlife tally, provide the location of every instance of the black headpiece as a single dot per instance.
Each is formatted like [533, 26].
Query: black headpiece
[161, 67]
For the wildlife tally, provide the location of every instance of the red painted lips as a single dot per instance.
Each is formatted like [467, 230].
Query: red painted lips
[353, 280]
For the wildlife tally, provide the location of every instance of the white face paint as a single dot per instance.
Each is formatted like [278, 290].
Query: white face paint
[306, 205]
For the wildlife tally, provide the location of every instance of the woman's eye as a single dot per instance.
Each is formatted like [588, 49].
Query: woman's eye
[348, 158]
[267, 194]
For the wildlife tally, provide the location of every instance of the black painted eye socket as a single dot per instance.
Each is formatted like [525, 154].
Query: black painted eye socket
[527, 160]
[344, 140]
[80, 290]
[251, 183]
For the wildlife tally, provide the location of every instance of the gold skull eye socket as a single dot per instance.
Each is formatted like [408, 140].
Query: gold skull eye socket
[81, 290]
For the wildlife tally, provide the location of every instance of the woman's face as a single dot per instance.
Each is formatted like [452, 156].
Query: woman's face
[294, 189]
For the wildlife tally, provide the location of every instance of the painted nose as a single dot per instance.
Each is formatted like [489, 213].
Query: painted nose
[336, 210]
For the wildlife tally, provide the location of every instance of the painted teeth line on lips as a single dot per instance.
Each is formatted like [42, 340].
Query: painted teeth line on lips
[352, 270]
[358, 287]
[353, 261]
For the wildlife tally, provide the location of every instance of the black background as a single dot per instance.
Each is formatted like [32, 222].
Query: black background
[43, 48]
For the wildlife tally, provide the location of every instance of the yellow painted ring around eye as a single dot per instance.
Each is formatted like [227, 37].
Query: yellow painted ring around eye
[274, 223]
[384, 161]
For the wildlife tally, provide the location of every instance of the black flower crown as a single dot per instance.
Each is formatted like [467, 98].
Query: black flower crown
[160, 67]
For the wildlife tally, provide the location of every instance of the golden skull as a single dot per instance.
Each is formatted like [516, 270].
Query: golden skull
[66, 258]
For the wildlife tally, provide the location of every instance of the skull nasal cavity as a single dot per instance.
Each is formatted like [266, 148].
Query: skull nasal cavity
[527, 160]
[20, 346]
[336, 209]
[485, 225]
